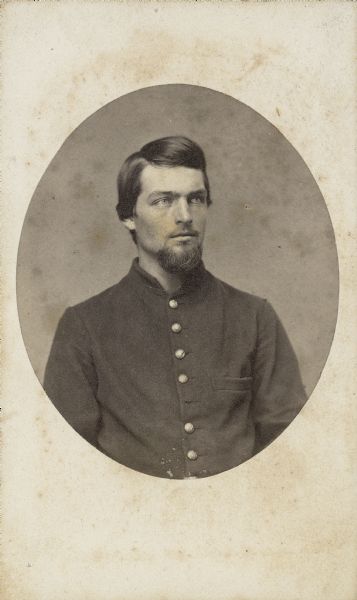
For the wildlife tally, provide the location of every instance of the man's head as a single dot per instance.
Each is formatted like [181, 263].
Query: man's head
[163, 199]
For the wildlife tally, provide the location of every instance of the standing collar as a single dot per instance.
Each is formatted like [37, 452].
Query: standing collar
[193, 281]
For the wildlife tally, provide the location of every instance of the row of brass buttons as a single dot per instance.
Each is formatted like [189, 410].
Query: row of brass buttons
[182, 378]
[179, 353]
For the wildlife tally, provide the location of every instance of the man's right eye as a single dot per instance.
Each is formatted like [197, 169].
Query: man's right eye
[162, 201]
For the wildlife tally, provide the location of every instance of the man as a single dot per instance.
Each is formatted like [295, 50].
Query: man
[171, 371]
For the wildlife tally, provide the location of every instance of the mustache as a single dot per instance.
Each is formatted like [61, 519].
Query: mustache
[188, 232]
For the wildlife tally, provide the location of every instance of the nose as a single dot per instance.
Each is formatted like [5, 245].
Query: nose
[183, 211]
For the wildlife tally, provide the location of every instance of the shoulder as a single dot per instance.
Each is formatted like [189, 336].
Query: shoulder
[244, 305]
[100, 303]
[239, 297]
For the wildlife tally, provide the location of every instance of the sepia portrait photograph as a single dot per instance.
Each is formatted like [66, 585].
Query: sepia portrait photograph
[174, 370]
[178, 364]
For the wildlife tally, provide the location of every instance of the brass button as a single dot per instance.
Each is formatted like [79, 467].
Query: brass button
[176, 327]
[192, 455]
[183, 378]
[179, 353]
[173, 303]
[189, 428]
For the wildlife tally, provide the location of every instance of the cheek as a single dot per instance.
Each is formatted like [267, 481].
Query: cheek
[201, 221]
[162, 229]
[154, 229]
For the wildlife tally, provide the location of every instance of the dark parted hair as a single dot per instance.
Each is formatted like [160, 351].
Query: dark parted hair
[171, 151]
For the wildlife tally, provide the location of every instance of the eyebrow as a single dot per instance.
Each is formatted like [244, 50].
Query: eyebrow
[176, 194]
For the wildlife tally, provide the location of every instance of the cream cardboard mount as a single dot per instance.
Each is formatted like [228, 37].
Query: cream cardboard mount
[77, 524]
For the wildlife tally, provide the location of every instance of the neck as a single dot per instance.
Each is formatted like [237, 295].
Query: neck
[169, 281]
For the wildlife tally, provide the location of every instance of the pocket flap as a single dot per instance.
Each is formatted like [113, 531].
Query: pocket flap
[235, 384]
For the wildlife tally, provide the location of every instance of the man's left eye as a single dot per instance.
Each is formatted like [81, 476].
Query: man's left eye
[196, 200]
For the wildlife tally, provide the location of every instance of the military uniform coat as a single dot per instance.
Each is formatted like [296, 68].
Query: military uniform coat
[174, 385]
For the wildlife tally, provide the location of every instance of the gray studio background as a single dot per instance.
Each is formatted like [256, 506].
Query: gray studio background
[269, 231]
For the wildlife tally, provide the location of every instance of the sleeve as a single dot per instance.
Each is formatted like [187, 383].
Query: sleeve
[278, 392]
[70, 377]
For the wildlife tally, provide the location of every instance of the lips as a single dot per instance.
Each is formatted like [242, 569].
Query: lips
[185, 234]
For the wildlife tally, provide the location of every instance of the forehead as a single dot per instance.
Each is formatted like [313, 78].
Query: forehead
[181, 180]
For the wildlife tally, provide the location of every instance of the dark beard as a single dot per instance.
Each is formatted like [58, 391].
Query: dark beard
[179, 263]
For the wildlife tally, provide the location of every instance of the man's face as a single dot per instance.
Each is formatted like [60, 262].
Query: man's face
[170, 216]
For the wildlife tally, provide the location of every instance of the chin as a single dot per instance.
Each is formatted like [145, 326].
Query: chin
[180, 260]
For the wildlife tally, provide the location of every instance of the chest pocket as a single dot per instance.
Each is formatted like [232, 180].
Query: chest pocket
[231, 394]
[231, 384]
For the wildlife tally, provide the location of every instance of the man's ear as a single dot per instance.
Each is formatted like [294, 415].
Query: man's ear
[129, 224]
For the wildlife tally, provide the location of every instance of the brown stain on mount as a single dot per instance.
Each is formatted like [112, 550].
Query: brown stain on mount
[259, 59]
[43, 432]
[136, 61]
